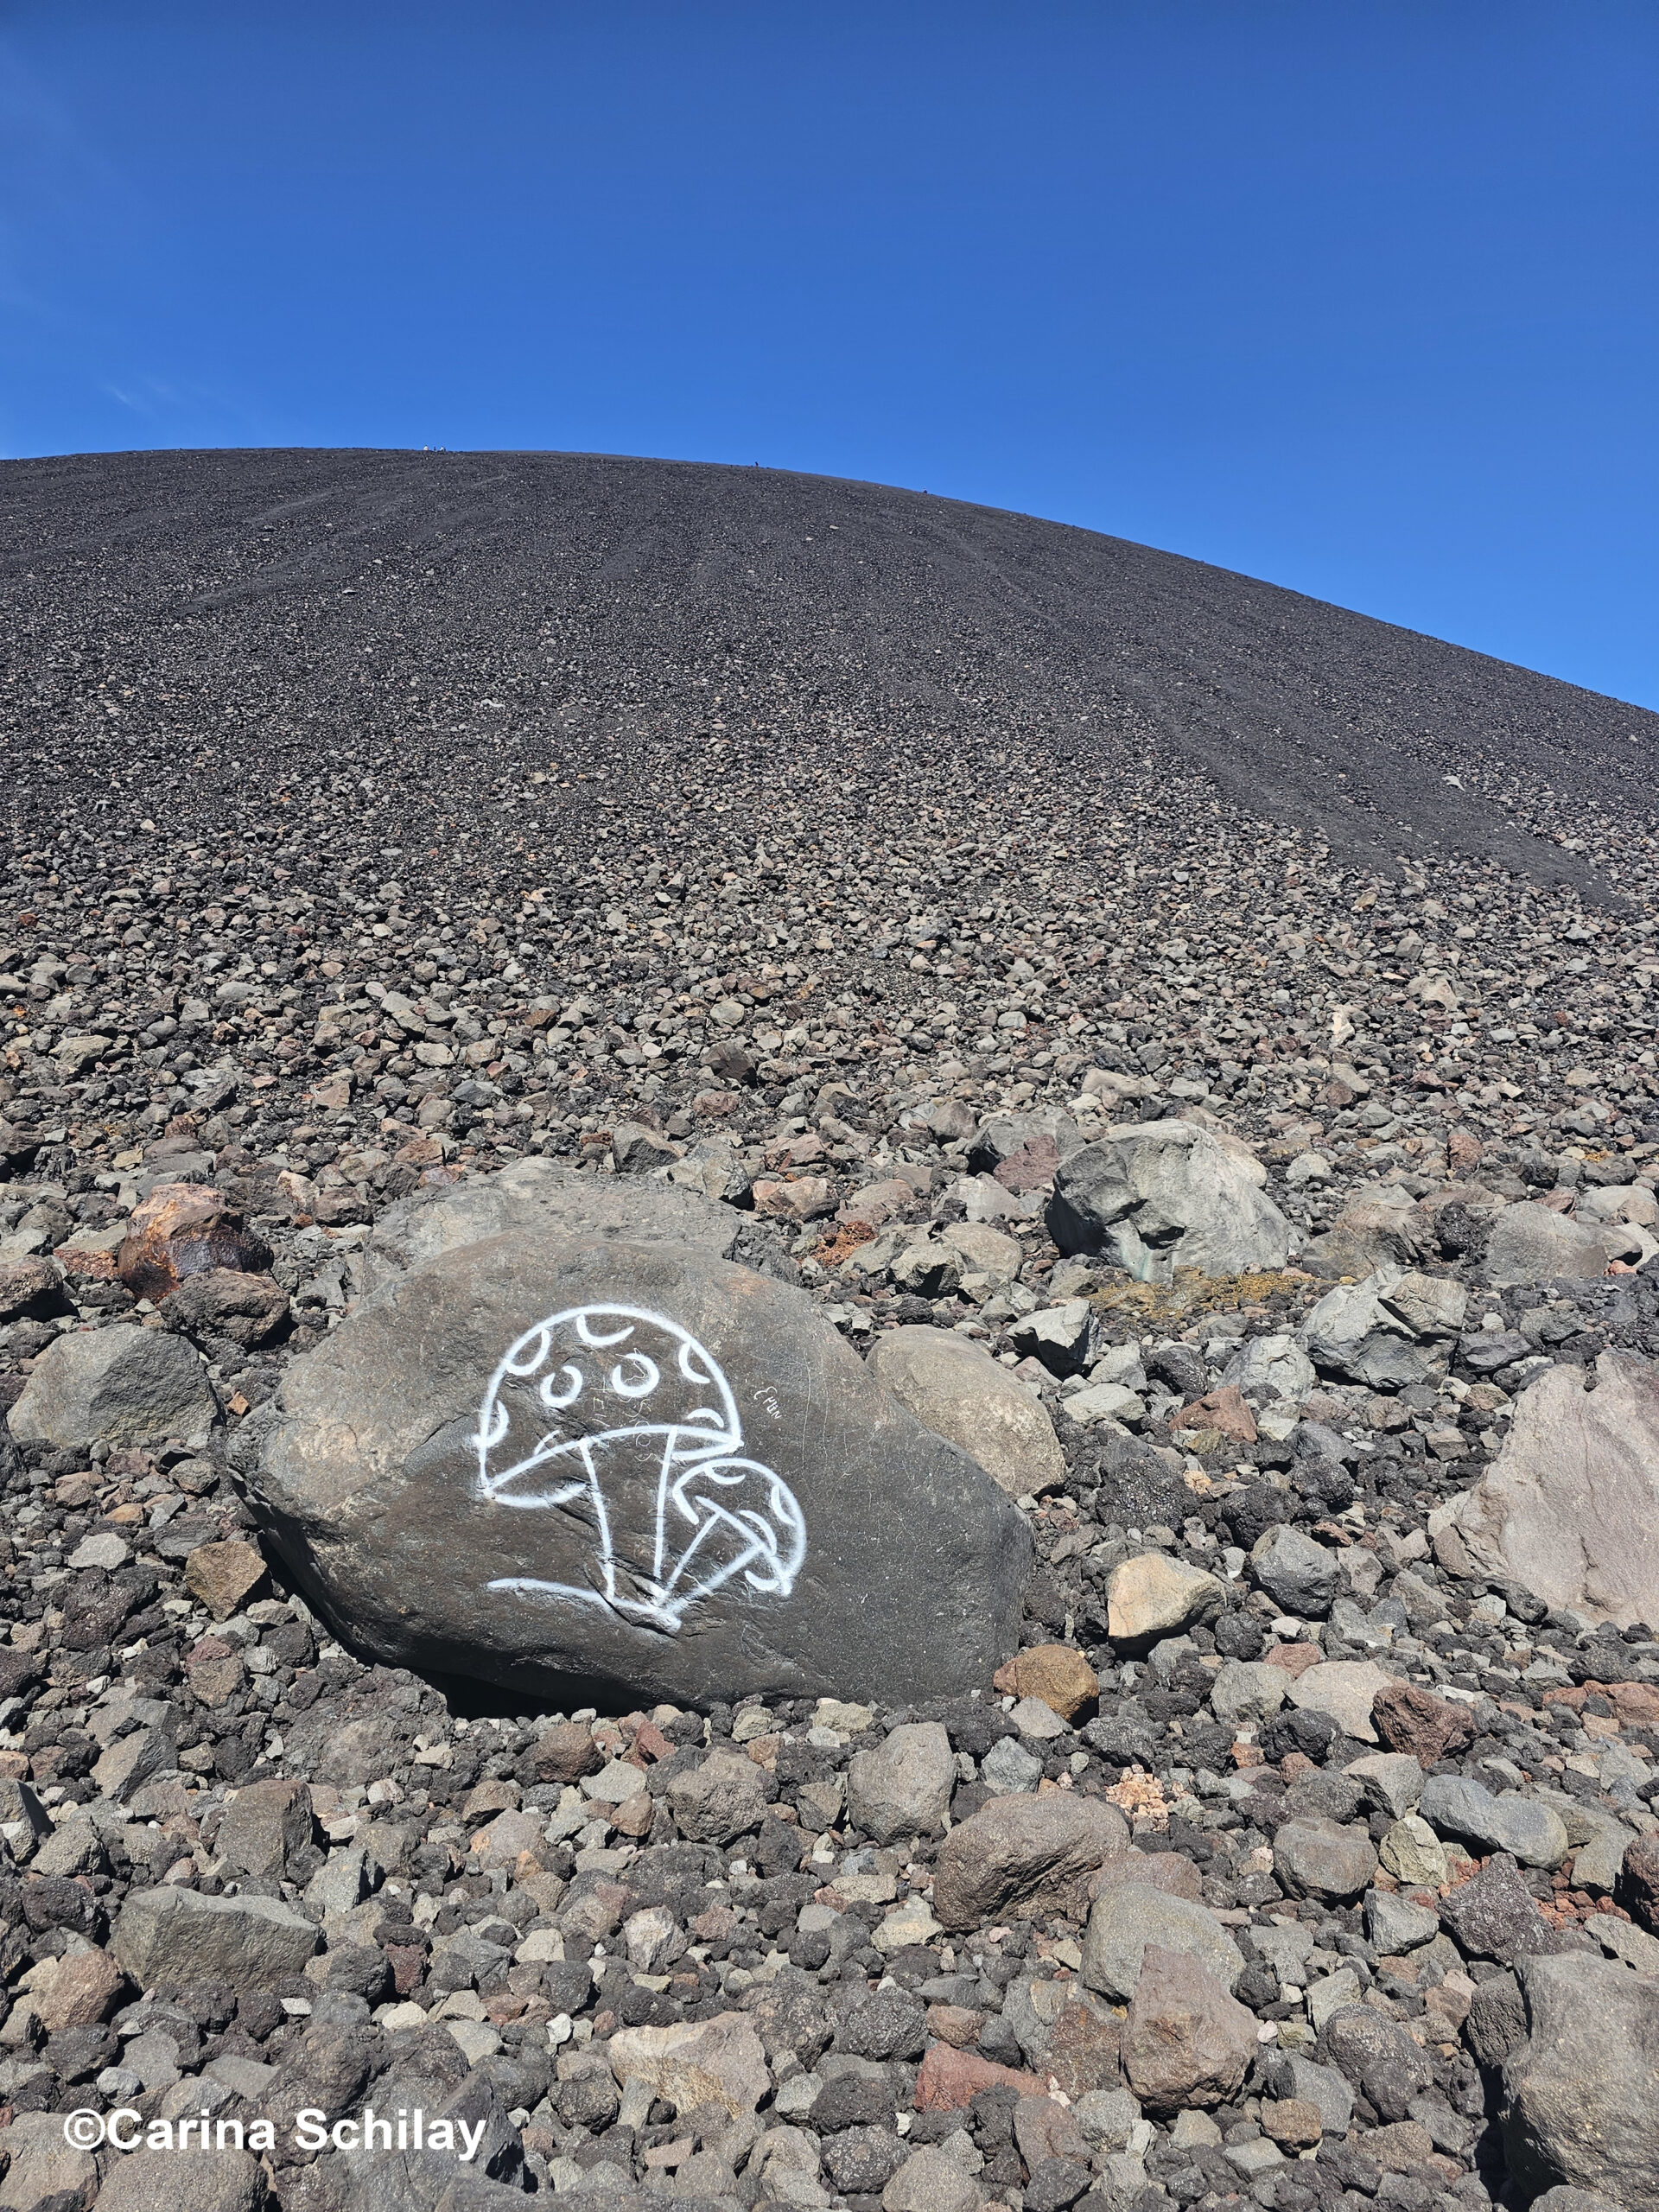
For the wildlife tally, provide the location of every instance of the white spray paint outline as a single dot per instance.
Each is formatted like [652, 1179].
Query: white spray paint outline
[702, 1456]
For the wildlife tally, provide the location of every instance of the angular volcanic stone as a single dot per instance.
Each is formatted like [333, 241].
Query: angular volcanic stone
[119, 1385]
[631, 1466]
[1581, 2094]
[1159, 1195]
[1567, 1508]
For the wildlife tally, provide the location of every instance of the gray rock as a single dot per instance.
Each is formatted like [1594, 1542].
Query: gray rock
[1322, 2087]
[931, 2180]
[1323, 1858]
[1247, 1689]
[955, 1388]
[1059, 1335]
[174, 1934]
[626, 1465]
[1533, 1243]
[1454, 1806]
[1394, 1924]
[1300, 1576]
[43, 2168]
[1386, 1332]
[720, 1800]
[1378, 2056]
[1570, 1506]
[197, 2181]
[1009, 1766]
[265, 1826]
[1266, 1367]
[1564, 2198]
[1159, 1195]
[1124, 1919]
[903, 1787]
[1581, 2094]
[1393, 1781]
[565, 1205]
[117, 1385]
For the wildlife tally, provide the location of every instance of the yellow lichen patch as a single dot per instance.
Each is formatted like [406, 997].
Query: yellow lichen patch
[1193, 1292]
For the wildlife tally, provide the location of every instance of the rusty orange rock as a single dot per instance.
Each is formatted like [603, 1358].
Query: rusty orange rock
[183, 1230]
[1061, 1678]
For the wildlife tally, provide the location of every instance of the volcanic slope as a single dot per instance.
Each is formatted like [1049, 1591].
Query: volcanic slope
[407, 638]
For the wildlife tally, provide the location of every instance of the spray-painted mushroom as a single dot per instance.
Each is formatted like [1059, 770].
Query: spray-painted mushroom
[618, 1423]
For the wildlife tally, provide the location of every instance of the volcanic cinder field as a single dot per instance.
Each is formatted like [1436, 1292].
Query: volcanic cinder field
[401, 841]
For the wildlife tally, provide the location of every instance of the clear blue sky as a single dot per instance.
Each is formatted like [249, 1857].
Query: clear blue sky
[1362, 299]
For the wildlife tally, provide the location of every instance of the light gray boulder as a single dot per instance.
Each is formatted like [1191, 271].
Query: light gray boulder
[118, 1385]
[1157, 1196]
[1269, 1368]
[903, 1788]
[1389, 1331]
[1570, 1506]
[563, 1203]
[1128, 1916]
[1533, 1243]
[955, 1388]
[1470, 1813]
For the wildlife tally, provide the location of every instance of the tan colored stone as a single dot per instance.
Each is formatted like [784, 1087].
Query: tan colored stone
[693, 2063]
[956, 1390]
[1061, 1677]
[1153, 1596]
[1570, 1506]
[87, 1988]
[224, 1576]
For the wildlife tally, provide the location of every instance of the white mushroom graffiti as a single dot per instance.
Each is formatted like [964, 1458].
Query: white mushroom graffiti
[617, 1423]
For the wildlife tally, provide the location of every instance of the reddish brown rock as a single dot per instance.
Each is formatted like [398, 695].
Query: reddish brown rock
[565, 1753]
[1224, 1410]
[1169, 1871]
[1425, 1727]
[223, 1303]
[1031, 1168]
[1085, 2049]
[183, 1230]
[224, 1576]
[1294, 1658]
[1061, 1677]
[949, 2080]
[1185, 2042]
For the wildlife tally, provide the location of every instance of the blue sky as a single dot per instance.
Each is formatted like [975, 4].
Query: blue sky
[1363, 300]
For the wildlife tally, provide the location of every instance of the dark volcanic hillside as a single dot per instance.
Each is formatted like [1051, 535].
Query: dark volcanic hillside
[196, 632]
[1197, 1045]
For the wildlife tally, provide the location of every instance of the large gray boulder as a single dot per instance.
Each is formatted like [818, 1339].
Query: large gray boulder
[171, 1934]
[955, 1388]
[118, 1385]
[1161, 1195]
[633, 1468]
[1533, 1243]
[1391, 1331]
[1581, 2094]
[1570, 1506]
